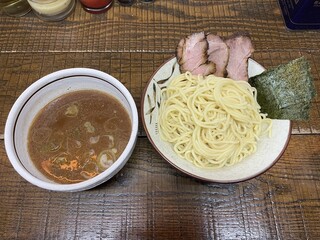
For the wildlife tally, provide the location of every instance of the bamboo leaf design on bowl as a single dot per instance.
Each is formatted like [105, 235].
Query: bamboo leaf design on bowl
[151, 108]
[154, 98]
[163, 81]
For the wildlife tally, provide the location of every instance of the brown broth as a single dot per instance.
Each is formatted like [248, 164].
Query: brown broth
[78, 135]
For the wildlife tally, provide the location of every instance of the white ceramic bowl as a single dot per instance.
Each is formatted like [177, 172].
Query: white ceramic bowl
[269, 150]
[39, 94]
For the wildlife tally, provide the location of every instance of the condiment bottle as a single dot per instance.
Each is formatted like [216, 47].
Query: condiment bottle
[301, 14]
[126, 2]
[96, 6]
[52, 10]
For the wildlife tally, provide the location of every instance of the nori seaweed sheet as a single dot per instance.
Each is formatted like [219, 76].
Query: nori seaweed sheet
[286, 92]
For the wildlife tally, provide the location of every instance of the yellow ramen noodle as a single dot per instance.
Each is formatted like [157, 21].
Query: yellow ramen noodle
[211, 121]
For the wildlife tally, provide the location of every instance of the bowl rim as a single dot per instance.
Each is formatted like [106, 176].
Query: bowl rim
[27, 94]
[185, 171]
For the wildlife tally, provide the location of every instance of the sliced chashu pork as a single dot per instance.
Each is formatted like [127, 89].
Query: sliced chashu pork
[201, 54]
[240, 49]
[218, 53]
[192, 55]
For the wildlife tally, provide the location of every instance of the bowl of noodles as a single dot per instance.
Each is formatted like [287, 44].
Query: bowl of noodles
[211, 128]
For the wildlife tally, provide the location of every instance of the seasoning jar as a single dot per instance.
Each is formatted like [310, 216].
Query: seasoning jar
[96, 6]
[301, 14]
[52, 10]
[126, 2]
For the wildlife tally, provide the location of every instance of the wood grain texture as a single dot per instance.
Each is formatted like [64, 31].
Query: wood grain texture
[154, 28]
[148, 198]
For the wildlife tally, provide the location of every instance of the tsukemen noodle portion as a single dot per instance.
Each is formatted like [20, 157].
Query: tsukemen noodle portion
[211, 121]
[78, 135]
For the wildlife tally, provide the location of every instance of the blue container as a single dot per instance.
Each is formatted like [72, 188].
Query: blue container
[301, 14]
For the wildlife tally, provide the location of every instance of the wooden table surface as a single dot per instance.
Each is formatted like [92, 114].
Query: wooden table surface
[148, 198]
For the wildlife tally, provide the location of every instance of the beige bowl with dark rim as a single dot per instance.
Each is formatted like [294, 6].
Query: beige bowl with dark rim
[39, 94]
[269, 150]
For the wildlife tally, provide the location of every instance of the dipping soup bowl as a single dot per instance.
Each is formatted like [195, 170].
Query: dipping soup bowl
[37, 96]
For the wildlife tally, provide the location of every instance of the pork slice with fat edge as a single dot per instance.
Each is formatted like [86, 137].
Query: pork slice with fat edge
[192, 55]
[218, 53]
[240, 49]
